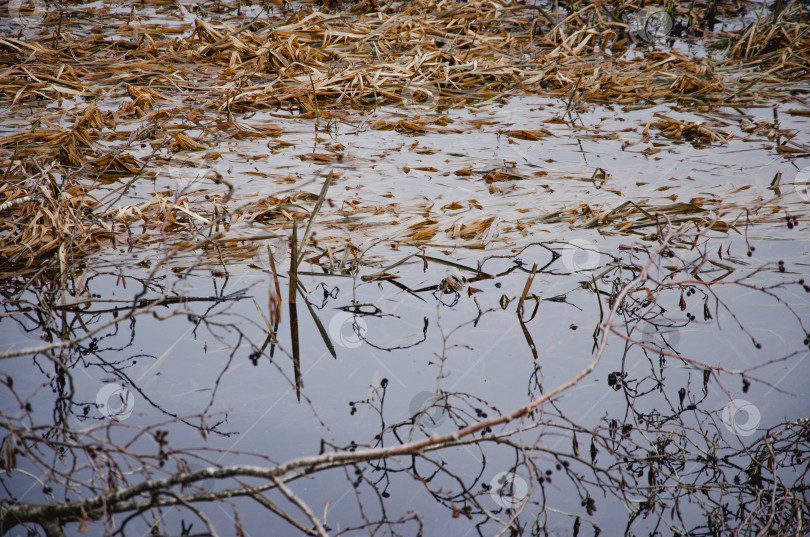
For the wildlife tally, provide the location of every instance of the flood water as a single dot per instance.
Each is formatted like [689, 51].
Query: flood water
[459, 215]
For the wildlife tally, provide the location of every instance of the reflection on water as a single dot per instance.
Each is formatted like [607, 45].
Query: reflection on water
[456, 277]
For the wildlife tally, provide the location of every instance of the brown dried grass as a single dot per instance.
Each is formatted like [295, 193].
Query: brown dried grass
[172, 78]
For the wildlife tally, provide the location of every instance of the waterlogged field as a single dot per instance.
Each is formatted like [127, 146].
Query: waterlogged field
[411, 268]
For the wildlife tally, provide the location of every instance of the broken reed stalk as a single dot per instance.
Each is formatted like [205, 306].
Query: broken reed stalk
[267, 324]
[314, 98]
[278, 295]
[295, 284]
[293, 310]
[315, 210]
[318, 324]
[275, 318]
[519, 312]
[526, 288]
[275, 274]
[597, 329]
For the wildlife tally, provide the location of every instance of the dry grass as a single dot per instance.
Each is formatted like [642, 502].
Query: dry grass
[182, 84]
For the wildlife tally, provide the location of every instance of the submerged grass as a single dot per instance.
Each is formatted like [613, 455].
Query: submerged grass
[179, 87]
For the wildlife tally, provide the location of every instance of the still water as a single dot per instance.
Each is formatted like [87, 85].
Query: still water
[442, 327]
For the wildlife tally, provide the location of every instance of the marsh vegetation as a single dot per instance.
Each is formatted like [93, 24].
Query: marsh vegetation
[407, 268]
